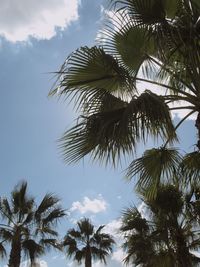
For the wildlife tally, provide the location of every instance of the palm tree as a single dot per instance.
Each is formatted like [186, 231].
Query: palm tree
[27, 227]
[155, 42]
[167, 234]
[85, 243]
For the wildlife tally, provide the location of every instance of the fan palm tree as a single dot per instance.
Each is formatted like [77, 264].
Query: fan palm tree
[85, 243]
[27, 227]
[154, 42]
[167, 234]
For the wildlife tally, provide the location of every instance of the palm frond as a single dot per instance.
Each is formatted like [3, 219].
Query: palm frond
[113, 133]
[142, 11]
[21, 201]
[128, 42]
[5, 209]
[2, 250]
[32, 249]
[85, 226]
[53, 216]
[48, 202]
[89, 70]
[6, 234]
[99, 254]
[155, 167]
[132, 221]
[49, 243]
[191, 168]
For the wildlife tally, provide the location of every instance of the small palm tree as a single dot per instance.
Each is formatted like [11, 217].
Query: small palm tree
[85, 244]
[29, 228]
[168, 233]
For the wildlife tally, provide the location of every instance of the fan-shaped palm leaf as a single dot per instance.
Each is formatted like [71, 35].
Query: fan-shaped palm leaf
[191, 168]
[91, 69]
[154, 165]
[112, 133]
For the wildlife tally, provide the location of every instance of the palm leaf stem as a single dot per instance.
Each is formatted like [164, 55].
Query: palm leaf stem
[7, 216]
[185, 107]
[5, 226]
[165, 86]
[180, 122]
[4, 240]
[171, 98]
[172, 74]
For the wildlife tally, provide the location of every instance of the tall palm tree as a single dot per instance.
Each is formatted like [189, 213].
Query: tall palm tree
[28, 227]
[167, 234]
[85, 243]
[156, 42]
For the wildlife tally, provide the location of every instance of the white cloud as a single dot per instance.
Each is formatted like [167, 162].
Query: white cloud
[95, 205]
[112, 228]
[22, 19]
[144, 211]
[118, 255]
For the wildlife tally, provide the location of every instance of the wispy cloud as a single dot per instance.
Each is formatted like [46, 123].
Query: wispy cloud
[22, 19]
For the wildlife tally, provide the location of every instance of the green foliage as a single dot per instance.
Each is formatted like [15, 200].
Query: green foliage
[28, 227]
[166, 233]
[151, 41]
[85, 243]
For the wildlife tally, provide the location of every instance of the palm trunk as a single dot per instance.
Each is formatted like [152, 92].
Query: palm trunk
[197, 124]
[32, 259]
[88, 258]
[15, 253]
[182, 250]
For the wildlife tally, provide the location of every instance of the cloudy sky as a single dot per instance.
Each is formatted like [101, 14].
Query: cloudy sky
[35, 38]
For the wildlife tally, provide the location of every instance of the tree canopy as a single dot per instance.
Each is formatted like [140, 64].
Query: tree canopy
[28, 227]
[153, 42]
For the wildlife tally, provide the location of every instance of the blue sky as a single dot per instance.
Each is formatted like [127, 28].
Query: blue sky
[35, 40]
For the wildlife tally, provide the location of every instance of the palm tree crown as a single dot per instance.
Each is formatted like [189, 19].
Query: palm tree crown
[28, 227]
[85, 243]
[167, 233]
[156, 42]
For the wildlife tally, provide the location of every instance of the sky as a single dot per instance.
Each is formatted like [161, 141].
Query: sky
[35, 39]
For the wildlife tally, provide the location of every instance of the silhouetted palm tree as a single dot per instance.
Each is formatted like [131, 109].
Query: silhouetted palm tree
[154, 41]
[85, 243]
[167, 234]
[27, 227]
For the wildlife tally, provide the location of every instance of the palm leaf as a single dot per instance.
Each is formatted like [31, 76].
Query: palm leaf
[91, 69]
[86, 227]
[114, 132]
[5, 209]
[130, 43]
[49, 243]
[48, 202]
[156, 166]
[53, 216]
[132, 221]
[2, 250]
[32, 249]
[21, 201]
[144, 12]
[191, 168]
